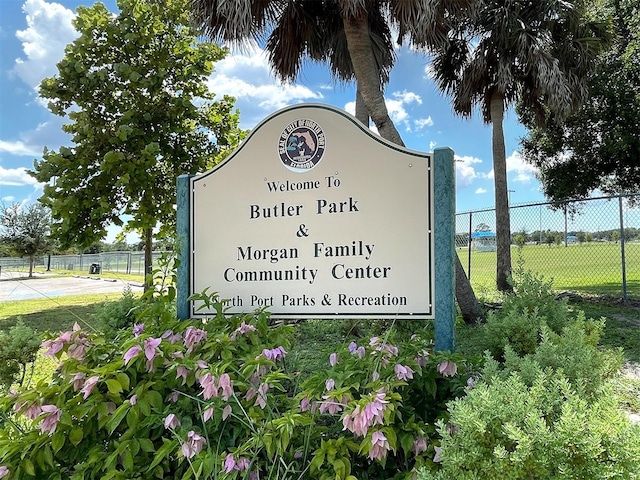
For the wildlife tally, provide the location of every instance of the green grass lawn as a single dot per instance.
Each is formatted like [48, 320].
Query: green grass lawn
[592, 268]
[56, 313]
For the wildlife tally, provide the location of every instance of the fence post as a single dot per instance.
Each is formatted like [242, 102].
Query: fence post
[622, 253]
[469, 243]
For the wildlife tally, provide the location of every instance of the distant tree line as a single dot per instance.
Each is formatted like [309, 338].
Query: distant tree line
[554, 237]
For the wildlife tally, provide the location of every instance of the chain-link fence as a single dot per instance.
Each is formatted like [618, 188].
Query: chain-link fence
[591, 246]
[120, 262]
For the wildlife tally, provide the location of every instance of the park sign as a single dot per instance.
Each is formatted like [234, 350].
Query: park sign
[315, 216]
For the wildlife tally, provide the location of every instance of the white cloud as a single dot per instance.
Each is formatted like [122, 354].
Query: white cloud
[432, 145]
[480, 191]
[422, 123]
[8, 199]
[524, 172]
[16, 177]
[19, 148]
[465, 170]
[407, 97]
[248, 78]
[48, 31]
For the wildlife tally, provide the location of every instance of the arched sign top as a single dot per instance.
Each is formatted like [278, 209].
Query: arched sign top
[315, 216]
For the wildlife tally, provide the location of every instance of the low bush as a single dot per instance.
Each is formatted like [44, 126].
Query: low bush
[546, 431]
[117, 315]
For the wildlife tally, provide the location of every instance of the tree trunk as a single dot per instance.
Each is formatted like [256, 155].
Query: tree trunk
[356, 29]
[32, 260]
[503, 222]
[359, 44]
[467, 301]
[362, 113]
[148, 259]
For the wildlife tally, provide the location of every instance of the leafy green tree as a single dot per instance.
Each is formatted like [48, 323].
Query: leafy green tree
[25, 230]
[597, 147]
[498, 53]
[134, 89]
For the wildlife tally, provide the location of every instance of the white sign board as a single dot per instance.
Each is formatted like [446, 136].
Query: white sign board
[315, 216]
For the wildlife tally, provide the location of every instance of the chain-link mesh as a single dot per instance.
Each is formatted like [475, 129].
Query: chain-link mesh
[591, 246]
[121, 262]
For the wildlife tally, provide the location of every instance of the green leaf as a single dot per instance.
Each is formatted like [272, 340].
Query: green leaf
[114, 386]
[163, 452]
[28, 467]
[57, 441]
[117, 417]
[75, 435]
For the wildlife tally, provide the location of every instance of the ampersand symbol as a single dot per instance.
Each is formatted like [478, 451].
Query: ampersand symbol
[303, 231]
[326, 301]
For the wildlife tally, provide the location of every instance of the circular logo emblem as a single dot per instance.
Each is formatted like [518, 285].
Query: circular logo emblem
[301, 145]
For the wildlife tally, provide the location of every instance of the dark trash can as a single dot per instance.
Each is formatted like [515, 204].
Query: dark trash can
[95, 268]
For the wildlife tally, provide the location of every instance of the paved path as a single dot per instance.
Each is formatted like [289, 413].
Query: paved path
[15, 286]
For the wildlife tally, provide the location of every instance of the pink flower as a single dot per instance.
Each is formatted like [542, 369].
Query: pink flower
[208, 413]
[89, 385]
[304, 404]
[78, 381]
[402, 372]
[251, 394]
[274, 354]
[330, 405]
[150, 346]
[4, 471]
[171, 421]
[329, 384]
[224, 382]
[77, 350]
[226, 411]
[138, 328]
[229, 464]
[470, 382]
[379, 446]
[182, 372]
[242, 329]
[333, 359]
[133, 400]
[209, 386]
[419, 445]
[193, 336]
[31, 413]
[360, 351]
[171, 337]
[356, 422]
[193, 445]
[131, 353]
[437, 458]
[353, 346]
[447, 368]
[50, 421]
[173, 397]
[261, 401]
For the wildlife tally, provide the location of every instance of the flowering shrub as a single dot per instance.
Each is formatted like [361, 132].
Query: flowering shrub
[212, 399]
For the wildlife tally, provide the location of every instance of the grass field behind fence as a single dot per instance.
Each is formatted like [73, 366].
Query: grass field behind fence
[592, 268]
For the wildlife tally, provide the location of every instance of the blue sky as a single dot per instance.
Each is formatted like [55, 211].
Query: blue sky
[33, 34]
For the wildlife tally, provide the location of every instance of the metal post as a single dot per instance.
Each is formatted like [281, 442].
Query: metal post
[470, 240]
[622, 253]
[184, 246]
[566, 243]
[445, 249]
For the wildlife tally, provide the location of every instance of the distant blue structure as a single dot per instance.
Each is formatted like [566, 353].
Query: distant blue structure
[484, 241]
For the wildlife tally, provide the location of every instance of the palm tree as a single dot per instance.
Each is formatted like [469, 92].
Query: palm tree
[536, 52]
[353, 37]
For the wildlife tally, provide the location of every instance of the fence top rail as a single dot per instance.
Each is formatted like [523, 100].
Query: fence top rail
[558, 203]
